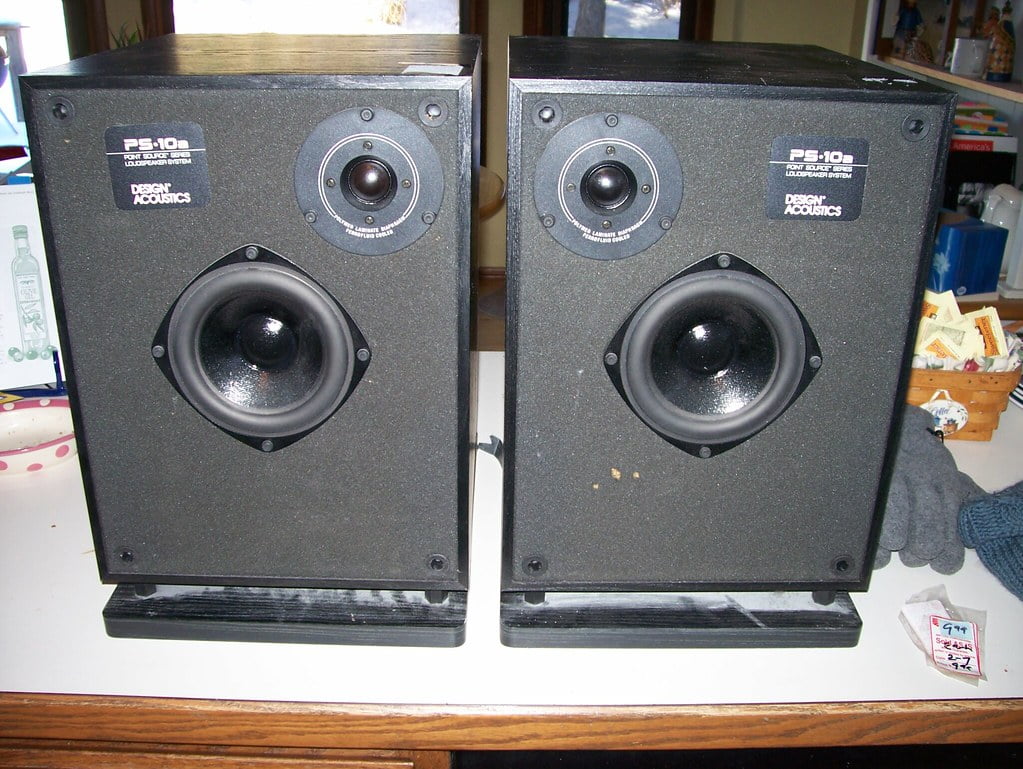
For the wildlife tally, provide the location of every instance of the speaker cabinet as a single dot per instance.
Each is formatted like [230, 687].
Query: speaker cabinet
[261, 248]
[715, 254]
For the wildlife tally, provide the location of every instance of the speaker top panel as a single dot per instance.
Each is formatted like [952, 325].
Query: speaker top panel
[199, 56]
[650, 63]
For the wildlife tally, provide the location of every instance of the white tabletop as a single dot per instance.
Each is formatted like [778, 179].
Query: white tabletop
[52, 637]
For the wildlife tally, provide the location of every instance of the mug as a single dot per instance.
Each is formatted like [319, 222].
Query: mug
[969, 56]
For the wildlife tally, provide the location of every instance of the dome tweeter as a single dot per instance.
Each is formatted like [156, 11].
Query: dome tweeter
[606, 186]
[370, 181]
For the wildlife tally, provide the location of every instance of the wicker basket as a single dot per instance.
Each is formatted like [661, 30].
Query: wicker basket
[985, 396]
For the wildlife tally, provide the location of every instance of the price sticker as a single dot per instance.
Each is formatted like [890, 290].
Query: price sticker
[954, 645]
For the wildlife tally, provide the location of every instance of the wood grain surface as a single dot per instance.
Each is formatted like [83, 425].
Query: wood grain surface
[444, 728]
[60, 754]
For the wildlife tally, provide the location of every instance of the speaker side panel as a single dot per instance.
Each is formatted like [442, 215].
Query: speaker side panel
[368, 498]
[597, 500]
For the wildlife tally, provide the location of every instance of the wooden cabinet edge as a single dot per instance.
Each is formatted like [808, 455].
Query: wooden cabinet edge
[71, 754]
[497, 727]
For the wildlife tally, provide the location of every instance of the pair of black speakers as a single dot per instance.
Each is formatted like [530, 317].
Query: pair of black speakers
[262, 256]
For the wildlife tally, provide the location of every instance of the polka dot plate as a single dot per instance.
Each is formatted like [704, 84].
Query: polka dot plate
[35, 433]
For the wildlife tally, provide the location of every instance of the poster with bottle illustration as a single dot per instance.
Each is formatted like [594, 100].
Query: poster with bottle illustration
[28, 326]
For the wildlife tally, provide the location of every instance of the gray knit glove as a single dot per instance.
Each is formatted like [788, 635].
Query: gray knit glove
[927, 491]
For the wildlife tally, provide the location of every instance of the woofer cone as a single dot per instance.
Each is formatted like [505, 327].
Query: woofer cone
[713, 357]
[260, 349]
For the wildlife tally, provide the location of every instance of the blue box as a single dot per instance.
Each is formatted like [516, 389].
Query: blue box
[967, 257]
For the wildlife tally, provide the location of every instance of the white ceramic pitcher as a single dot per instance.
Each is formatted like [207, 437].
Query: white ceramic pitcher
[1011, 286]
[1002, 206]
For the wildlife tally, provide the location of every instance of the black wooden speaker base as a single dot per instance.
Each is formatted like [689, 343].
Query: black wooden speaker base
[292, 615]
[677, 620]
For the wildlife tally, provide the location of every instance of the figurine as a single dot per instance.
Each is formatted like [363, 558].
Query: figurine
[1003, 44]
[908, 20]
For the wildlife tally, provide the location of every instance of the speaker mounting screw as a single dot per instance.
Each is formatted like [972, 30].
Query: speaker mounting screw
[815, 361]
[606, 224]
[159, 351]
[437, 562]
[645, 189]
[406, 183]
[362, 354]
[705, 452]
[611, 359]
[433, 112]
[534, 565]
[251, 253]
[329, 181]
[126, 555]
[367, 145]
[724, 261]
[842, 565]
[310, 217]
[609, 150]
[369, 220]
[666, 223]
[366, 114]
[429, 217]
[915, 128]
[267, 445]
[547, 220]
[547, 114]
[61, 109]
[611, 120]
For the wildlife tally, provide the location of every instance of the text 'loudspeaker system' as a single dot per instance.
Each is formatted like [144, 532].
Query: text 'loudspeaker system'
[699, 398]
[237, 227]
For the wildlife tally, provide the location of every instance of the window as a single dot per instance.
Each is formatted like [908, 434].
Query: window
[355, 17]
[32, 37]
[624, 18]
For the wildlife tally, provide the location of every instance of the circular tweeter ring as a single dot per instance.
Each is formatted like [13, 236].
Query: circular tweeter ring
[261, 351]
[378, 191]
[608, 186]
[712, 357]
[369, 181]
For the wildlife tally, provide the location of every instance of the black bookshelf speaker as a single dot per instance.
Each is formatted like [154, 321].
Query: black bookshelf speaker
[715, 254]
[261, 248]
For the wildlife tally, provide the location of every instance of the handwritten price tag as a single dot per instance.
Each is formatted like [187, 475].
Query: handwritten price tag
[954, 645]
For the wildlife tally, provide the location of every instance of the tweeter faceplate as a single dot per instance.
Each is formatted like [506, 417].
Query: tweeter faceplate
[713, 356]
[369, 181]
[260, 349]
[608, 186]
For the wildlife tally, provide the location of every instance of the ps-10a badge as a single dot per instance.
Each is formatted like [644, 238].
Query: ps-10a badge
[160, 165]
[816, 178]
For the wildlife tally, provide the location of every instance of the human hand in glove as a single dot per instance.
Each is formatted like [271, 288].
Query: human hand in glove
[927, 491]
